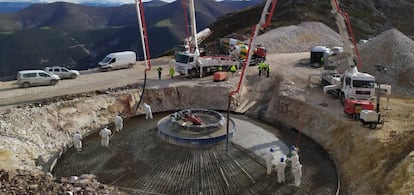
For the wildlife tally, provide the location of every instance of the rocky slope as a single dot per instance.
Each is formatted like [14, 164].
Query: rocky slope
[35, 182]
[367, 159]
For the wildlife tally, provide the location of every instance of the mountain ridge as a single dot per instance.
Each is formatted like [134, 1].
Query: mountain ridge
[101, 30]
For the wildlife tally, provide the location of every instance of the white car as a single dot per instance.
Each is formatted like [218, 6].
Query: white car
[63, 72]
[27, 78]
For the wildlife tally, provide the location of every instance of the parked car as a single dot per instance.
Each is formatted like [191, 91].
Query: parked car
[28, 78]
[118, 60]
[62, 72]
[337, 50]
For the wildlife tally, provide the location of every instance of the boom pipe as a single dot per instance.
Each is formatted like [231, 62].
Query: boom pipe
[263, 22]
[143, 33]
[144, 41]
[347, 19]
[269, 19]
[186, 24]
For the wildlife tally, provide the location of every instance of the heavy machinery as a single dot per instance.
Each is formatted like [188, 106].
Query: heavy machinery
[238, 50]
[189, 61]
[355, 89]
[265, 19]
[373, 118]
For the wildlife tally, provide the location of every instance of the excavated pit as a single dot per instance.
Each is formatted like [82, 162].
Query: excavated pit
[139, 162]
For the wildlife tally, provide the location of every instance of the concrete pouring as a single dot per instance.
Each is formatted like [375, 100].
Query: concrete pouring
[138, 161]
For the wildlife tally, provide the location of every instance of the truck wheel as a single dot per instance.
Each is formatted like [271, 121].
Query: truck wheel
[355, 116]
[130, 65]
[193, 73]
[373, 125]
[342, 98]
[26, 85]
[53, 82]
[324, 82]
[73, 76]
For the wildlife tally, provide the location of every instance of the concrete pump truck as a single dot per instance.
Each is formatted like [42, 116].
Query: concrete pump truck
[355, 89]
[189, 62]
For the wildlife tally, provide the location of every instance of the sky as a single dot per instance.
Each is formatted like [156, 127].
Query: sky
[81, 1]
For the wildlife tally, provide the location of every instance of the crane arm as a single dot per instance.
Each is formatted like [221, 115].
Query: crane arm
[347, 35]
[265, 19]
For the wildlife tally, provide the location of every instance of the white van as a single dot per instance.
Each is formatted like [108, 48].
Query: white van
[27, 78]
[117, 60]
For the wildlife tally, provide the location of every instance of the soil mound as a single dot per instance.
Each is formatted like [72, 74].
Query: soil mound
[299, 38]
[395, 51]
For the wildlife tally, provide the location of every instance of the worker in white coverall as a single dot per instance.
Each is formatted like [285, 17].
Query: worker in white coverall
[148, 111]
[297, 174]
[294, 159]
[105, 134]
[280, 167]
[270, 157]
[119, 123]
[77, 141]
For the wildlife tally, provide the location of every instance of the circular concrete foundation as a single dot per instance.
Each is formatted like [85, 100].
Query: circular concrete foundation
[211, 128]
[137, 161]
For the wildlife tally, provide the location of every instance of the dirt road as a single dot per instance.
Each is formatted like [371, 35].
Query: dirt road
[11, 94]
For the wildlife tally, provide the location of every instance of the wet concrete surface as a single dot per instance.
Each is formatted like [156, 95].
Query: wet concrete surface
[139, 162]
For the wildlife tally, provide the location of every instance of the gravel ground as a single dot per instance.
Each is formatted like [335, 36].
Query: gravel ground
[299, 38]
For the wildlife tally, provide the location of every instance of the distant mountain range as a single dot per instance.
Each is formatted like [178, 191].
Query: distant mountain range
[78, 36]
[10, 7]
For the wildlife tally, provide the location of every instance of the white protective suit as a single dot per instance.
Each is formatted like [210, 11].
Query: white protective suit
[269, 161]
[297, 174]
[148, 111]
[105, 134]
[281, 170]
[119, 123]
[77, 141]
[294, 159]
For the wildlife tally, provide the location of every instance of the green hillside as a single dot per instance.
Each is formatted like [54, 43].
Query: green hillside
[43, 47]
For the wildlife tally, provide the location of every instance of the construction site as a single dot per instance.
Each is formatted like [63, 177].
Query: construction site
[354, 134]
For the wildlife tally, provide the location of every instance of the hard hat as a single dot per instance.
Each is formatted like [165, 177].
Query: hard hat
[293, 147]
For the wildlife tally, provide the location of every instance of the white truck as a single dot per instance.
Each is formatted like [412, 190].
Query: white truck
[189, 62]
[118, 60]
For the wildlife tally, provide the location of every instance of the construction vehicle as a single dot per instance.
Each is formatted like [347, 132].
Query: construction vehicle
[373, 118]
[238, 50]
[189, 62]
[355, 89]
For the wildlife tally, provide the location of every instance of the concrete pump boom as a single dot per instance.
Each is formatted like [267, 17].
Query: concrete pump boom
[345, 31]
[264, 21]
